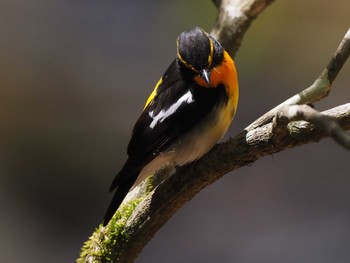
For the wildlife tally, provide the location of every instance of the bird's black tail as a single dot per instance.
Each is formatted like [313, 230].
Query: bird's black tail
[125, 182]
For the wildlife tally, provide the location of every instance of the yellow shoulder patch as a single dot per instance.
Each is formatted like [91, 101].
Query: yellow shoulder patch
[154, 93]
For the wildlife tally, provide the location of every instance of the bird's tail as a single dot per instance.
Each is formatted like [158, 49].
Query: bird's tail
[125, 180]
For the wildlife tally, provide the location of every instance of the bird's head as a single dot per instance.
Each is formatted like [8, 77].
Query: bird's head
[199, 53]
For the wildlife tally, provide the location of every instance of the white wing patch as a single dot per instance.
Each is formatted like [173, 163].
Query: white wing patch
[163, 114]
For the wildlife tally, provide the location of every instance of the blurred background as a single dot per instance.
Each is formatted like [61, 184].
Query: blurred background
[74, 76]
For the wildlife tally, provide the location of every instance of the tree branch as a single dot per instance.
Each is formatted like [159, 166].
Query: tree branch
[329, 125]
[140, 218]
[245, 148]
[233, 20]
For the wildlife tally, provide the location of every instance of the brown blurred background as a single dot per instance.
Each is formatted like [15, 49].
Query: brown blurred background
[73, 79]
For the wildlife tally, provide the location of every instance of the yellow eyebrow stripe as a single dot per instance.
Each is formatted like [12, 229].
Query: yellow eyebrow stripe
[184, 62]
[210, 58]
[154, 93]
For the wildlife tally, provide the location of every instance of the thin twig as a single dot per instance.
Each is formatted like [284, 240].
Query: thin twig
[319, 89]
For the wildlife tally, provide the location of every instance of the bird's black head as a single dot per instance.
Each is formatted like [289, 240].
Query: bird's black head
[198, 50]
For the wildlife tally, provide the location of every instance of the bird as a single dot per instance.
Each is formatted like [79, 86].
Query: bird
[189, 110]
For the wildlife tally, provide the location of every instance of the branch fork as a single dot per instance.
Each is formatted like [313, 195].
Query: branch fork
[292, 113]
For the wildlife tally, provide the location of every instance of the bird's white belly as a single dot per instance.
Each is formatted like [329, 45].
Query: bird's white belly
[193, 145]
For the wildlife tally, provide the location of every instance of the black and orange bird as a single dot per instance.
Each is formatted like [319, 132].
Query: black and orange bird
[189, 110]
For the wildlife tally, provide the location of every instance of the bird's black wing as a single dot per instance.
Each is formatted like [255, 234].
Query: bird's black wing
[178, 106]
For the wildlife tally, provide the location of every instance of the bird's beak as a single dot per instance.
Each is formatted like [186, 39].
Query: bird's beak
[205, 74]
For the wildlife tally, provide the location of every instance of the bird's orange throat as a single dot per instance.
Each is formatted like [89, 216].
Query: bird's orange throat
[225, 74]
